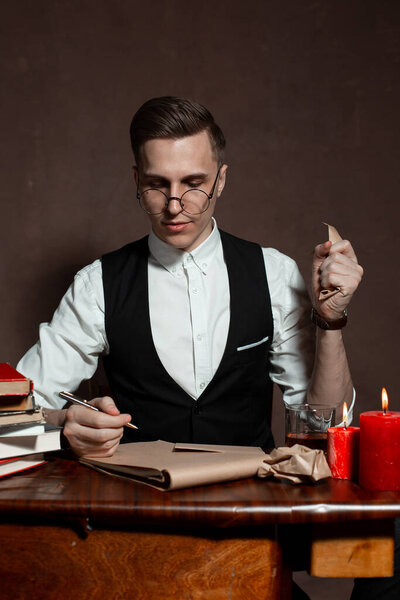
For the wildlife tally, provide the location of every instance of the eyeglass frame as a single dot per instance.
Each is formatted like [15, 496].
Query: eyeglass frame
[169, 198]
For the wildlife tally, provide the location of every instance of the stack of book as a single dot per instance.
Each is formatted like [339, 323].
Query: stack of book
[22, 426]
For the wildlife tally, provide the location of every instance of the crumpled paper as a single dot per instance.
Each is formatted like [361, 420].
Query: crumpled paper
[297, 464]
[334, 237]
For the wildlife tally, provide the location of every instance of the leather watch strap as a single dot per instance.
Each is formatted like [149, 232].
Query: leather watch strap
[328, 325]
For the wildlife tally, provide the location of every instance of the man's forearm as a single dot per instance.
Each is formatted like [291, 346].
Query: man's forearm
[331, 379]
[335, 267]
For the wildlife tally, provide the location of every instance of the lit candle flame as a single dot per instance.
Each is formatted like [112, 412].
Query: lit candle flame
[345, 415]
[385, 400]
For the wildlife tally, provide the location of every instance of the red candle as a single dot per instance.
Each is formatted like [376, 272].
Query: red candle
[343, 449]
[380, 448]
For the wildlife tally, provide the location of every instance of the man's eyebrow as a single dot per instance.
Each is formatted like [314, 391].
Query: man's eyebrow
[153, 176]
[199, 175]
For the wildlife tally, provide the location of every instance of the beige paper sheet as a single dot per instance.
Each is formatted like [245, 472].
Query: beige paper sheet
[169, 466]
[334, 237]
[157, 464]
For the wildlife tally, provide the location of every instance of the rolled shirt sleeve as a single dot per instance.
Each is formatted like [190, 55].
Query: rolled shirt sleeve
[293, 346]
[69, 346]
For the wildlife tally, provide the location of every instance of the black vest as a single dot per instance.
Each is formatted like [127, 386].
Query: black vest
[235, 408]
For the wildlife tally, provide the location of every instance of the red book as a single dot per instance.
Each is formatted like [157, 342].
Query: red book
[13, 383]
[10, 466]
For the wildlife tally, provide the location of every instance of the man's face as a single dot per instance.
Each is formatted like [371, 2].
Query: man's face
[174, 166]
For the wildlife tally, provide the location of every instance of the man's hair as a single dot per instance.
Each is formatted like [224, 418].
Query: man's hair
[174, 118]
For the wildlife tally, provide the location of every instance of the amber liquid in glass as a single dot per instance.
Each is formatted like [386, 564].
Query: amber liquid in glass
[316, 441]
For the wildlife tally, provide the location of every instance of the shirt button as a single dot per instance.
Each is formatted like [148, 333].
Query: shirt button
[195, 290]
[173, 269]
[202, 385]
[179, 273]
[199, 337]
[189, 258]
[204, 265]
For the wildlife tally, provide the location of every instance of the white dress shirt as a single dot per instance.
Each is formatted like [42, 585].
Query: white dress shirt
[189, 313]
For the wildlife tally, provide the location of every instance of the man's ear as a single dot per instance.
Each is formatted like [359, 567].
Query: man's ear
[135, 174]
[221, 180]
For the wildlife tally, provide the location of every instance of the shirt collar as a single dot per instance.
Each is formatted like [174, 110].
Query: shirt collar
[173, 258]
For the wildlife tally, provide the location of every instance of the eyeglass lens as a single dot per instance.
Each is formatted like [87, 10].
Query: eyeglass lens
[193, 202]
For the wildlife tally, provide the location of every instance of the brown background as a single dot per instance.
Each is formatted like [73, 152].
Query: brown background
[308, 94]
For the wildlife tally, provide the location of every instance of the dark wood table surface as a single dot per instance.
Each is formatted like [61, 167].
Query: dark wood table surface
[231, 540]
[63, 487]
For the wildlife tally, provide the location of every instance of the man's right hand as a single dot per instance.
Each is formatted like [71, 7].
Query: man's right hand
[91, 433]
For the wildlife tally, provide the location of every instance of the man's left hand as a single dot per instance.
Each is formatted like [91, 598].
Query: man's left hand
[334, 266]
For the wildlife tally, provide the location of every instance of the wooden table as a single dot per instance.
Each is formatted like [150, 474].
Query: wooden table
[68, 531]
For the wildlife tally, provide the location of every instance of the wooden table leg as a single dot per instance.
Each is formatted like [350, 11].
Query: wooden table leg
[39, 561]
[352, 549]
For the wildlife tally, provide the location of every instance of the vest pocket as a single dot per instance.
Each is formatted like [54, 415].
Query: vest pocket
[253, 351]
[253, 345]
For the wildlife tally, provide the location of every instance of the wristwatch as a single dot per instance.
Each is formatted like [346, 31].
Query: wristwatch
[328, 325]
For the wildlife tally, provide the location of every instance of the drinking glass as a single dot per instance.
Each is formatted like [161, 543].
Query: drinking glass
[307, 424]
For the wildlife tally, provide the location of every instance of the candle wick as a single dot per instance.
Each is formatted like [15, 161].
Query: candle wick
[384, 411]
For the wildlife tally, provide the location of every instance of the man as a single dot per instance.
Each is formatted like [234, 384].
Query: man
[193, 324]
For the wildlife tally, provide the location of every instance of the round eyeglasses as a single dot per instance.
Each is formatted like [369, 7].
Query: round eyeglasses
[193, 202]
